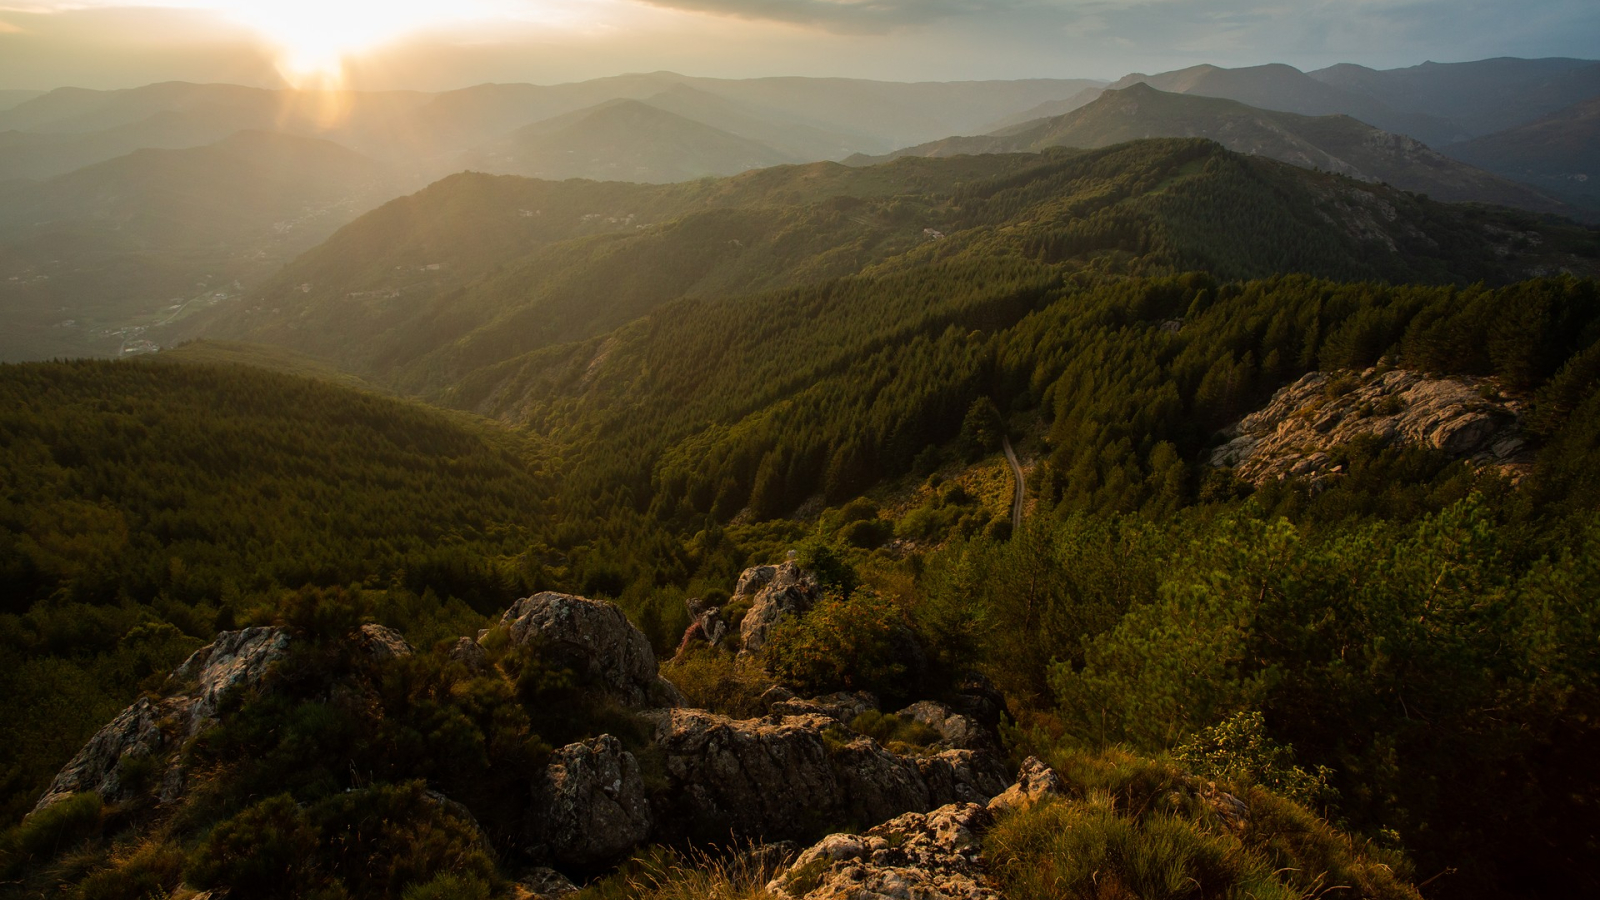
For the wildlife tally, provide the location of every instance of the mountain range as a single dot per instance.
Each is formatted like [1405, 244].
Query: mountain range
[1334, 143]
[77, 245]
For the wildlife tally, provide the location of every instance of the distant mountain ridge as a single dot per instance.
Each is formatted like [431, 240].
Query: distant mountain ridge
[1338, 144]
[1481, 97]
[1560, 152]
[623, 140]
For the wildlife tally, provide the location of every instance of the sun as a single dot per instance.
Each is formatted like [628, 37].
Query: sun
[314, 38]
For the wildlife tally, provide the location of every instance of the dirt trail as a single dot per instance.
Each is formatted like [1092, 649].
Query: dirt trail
[1022, 484]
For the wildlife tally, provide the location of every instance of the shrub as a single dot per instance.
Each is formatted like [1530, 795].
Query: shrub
[867, 534]
[1087, 849]
[1239, 751]
[374, 843]
[899, 735]
[713, 680]
[49, 831]
[845, 643]
[1142, 827]
[153, 871]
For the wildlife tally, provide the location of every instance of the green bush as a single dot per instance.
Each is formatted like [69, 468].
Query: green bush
[1241, 752]
[899, 735]
[845, 643]
[373, 843]
[714, 680]
[51, 830]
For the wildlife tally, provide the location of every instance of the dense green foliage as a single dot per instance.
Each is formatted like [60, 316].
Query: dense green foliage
[143, 507]
[1410, 649]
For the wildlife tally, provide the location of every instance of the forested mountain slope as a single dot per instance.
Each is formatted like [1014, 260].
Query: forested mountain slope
[147, 505]
[475, 271]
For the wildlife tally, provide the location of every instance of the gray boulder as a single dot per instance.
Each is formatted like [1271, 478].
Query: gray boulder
[916, 856]
[1294, 434]
[843, 706]
[379, 643]
[1035, 781]
[956, 731]
[470, 654]
[593, 804]
[236, 660]
[787, 776]
[595, 640]
[773, 593]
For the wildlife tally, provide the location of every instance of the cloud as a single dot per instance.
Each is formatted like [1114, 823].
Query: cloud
[843, 16]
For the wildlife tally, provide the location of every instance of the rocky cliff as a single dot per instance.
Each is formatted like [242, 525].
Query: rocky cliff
[1297, 433]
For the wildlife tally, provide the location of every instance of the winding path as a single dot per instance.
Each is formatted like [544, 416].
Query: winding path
[1022, 483]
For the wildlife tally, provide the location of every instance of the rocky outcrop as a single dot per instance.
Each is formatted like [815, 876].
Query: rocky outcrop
[843, 707]
[916, 856]
[772, 594]
[933, 855]
[542, 884]
[596, 641]
[1035, 781]
[784, 776]
[593, 803]
[378, 642]
[956, 731]
[470, 654]
[236, 660]
[1294, 434]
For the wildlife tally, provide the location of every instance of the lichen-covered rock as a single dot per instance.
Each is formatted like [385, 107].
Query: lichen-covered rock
[917, 856]
[1294, 434]
[470, 654]
[381, 643]
[786, 776]
[773, 593]
[591, 803]
[956, 732]
[844, 706]
[753, 778]
[596, 641]
[543, 884]
[236, 660]
[967, 776]
[1035, 781]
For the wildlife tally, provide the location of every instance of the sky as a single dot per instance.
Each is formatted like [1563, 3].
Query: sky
[421, 45]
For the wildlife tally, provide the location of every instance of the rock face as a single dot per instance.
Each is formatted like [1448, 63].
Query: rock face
[916, 856]
[596, 641]
[773, 593]
[469, 653]
[594, 803]
[236, 660]
[1034, 782]
[781, 777]
[843, 707]
[380, 643]
[1292, 436]
[956, 732]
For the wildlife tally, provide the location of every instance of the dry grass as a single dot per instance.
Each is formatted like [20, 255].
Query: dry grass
[661, 874]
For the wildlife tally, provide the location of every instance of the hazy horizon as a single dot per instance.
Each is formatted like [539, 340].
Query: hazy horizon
[419, 46]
